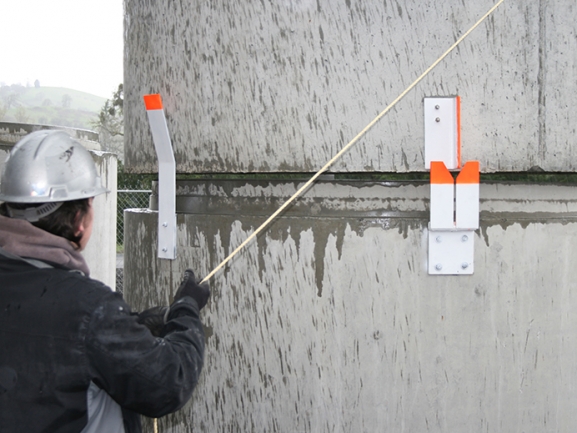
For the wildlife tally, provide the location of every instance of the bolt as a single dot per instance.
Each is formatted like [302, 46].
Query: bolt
[465, 238]
[439, 239]
[438, 267]
[438, 119]
[464, 265]
[164, 224]
[437, 107]
[165, 249]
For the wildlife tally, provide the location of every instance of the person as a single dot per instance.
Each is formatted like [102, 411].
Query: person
[74, 357]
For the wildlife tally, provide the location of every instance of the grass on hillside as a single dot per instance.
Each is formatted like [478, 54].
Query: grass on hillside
[53, 96]
[56, 106]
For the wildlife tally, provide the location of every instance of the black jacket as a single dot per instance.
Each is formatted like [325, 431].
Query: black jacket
[60, 330]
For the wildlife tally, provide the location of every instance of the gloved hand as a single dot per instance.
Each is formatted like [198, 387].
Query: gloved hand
[154, 319]
[190, 287]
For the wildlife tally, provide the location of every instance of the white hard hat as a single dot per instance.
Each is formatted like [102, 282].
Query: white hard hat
[49, 166]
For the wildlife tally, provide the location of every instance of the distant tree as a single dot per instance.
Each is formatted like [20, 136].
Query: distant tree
[11, 99]
[3, 111]
[110, 123]
[36, 83]
[111, 116]
[47, 103]
[19, 89]
[21, 115]
[66, 100]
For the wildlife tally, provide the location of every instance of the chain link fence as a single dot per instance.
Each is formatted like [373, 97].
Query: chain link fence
[126, 199]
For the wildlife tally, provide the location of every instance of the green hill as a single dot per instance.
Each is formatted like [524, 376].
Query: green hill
[49, 105]
[38, 97]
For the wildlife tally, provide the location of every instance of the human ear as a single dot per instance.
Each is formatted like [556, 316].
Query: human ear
[79, 224]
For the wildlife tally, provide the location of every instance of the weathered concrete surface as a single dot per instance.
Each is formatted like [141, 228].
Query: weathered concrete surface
[258, 86]
[330, 323]
[100, 253]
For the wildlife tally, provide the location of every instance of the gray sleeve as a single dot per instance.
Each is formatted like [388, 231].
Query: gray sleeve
[104, 414]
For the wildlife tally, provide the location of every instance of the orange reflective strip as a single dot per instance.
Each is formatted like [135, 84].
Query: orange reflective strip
[469, 173]
[458, 131]
[440, 174]
[153, 102]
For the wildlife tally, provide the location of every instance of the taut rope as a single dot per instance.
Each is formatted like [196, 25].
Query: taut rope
[351, 143]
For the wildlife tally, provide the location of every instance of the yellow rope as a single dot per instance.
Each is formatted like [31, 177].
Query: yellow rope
[348, 146]
[342, 151]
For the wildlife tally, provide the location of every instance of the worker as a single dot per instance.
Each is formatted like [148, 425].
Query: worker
[74, 357]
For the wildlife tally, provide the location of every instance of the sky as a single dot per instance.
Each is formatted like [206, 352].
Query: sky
[76, 44]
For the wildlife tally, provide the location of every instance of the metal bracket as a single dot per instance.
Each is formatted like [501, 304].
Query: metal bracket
[454, 218]
[443, 131]
[166, 177]
[451, 252]
[454, 205]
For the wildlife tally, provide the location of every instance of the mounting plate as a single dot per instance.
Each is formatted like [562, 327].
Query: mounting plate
[451, 252]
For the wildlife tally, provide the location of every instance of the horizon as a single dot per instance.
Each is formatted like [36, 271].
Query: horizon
[32, 86]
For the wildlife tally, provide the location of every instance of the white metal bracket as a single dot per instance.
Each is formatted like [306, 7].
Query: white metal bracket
[166, 177]
[451, 252]
[454, 218]
[443, 131]
[454, 205]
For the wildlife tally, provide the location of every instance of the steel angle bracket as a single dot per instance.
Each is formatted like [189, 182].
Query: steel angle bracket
[166, 177]
[454, 204]
[454, 208]
[443, 131]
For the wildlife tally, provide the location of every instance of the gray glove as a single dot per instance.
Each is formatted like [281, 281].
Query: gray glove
[154, 319]
[190, 287]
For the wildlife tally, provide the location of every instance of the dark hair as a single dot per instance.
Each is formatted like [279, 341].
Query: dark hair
[62, 222]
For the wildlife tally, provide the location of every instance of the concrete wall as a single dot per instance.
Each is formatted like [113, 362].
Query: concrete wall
[260, 86]
[100, 253]
[329, 322]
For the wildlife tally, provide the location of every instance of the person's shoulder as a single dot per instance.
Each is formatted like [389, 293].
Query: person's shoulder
[78, 283]
[94, 296]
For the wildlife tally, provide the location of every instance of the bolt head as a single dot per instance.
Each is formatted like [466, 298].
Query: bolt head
[165, 249]
[465, 238]
[438, 119]
[439, 239]
[464, 265]
[438, 266]
[437, 107]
